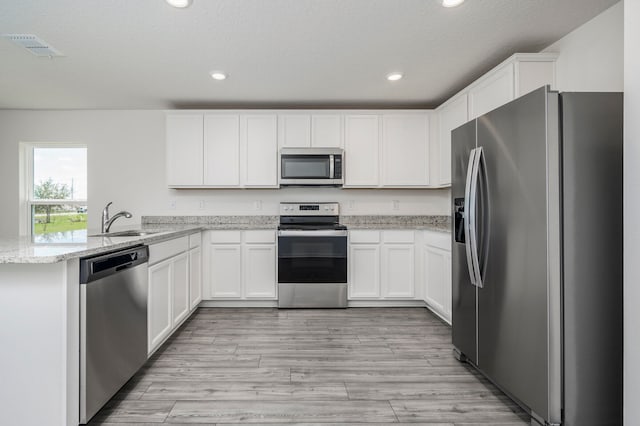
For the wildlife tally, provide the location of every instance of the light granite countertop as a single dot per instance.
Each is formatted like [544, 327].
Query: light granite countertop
[61, 246]
[57, 247]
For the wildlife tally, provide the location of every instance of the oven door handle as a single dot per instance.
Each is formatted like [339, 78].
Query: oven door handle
[318, 233]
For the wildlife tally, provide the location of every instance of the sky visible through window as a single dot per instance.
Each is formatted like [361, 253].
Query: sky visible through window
[67, 166]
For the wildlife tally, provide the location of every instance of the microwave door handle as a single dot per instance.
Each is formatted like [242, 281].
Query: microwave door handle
[331, 167]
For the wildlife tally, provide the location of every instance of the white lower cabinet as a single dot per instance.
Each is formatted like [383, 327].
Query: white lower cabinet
[259, 266]
[159, 304]
[225, 277]
[364, 271]
[381, 265]
[195, 277]
[241, 265]
[437, 273]
[180, 280]
[397, 271]
[174, 286]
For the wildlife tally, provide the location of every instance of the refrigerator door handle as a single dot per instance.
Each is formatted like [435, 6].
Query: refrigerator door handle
[469, 216]
[473, 221]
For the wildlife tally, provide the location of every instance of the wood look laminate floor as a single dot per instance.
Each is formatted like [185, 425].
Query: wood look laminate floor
[353, 366]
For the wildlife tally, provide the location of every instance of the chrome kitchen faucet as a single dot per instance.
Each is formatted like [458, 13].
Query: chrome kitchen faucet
[107, 222]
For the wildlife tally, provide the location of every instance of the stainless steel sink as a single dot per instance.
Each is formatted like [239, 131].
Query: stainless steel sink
[131, 233]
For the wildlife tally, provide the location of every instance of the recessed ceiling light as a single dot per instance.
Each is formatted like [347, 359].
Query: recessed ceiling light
[179, 3]
[452, 3]
[218, 75]
[394, 76]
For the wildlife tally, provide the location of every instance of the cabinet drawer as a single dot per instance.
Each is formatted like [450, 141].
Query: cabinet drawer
[441, 240]
[195, 240]
[167, 249]
[398, 237]
[364, 237]
[263, 236]
[222, 237]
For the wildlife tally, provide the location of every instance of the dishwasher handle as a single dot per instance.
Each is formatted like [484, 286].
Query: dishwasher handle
[103, 265]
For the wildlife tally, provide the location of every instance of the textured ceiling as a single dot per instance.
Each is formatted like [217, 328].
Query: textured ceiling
[141, 54]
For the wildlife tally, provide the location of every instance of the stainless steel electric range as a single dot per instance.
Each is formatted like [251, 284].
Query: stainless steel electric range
[312, 256]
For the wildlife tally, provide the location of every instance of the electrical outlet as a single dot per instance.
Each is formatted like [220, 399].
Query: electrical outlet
[396, 205]
[352, 205]
[172, 204]
[202, 205]
[257, 205]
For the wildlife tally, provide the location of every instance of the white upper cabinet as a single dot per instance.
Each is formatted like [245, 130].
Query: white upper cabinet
[533, 72]
[222, 150]
[260, 151]
[326, 131]
[295, 131]
[310, 130]
[361, 145]
[492, 92]
[184, 149]
[517, 76]
[453, 114]
[405, 150]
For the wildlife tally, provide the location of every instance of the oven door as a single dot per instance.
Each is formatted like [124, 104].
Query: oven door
[312, 256]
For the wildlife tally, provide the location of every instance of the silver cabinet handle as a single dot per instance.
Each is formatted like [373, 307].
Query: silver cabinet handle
[468, 206]
[473, 220]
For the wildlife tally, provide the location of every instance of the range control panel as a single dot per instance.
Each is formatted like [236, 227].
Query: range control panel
[309, 209]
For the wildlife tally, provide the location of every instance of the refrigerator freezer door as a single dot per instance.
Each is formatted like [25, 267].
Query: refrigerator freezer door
[463, 141]
[513, 321]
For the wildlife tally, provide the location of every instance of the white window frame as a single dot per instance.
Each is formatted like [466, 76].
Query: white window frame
[27, 201]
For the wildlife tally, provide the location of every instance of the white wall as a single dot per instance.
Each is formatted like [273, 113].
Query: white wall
[591, 56]
[631, 205]
[126, 165]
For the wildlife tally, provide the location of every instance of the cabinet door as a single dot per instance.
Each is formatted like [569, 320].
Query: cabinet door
[364, 271]
[222, 150]
[531, 75]
[295, 131]
[259, 265]
[447, 287]
[184, 149]
[195, 277]
[453, 115]
[159, 303]
[326, 131]
[405, 150]
[224, 271]
[260, 151]
[397, 270]
[180, 288]
[435, 278]
[493, 91]
[361, 145]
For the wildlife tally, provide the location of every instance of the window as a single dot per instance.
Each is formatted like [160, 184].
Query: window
[54, 192]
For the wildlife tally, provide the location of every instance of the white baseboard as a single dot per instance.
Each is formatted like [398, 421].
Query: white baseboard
[239, 304]
[385, 303]
[274, 303]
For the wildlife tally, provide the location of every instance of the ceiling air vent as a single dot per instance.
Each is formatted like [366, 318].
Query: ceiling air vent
[33, 44]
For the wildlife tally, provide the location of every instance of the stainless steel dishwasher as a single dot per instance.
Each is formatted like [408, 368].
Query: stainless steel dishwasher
[113, 324]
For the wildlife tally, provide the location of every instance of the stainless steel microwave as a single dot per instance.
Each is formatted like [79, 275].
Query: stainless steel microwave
[311, 167]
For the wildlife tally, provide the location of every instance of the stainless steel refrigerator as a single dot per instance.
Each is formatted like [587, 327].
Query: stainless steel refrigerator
[537, 253]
